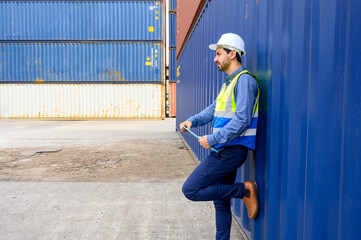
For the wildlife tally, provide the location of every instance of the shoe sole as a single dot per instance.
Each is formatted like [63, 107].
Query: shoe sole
[256, 188]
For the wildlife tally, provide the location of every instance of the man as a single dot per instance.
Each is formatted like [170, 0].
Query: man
[234, 116]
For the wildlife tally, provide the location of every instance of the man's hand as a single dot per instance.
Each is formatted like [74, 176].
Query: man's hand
[204, 142]
[187, 124]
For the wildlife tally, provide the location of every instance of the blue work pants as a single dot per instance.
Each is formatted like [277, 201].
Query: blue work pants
[214, 180]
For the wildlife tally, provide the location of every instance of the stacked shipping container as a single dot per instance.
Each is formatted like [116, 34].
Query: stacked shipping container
[172, 39]
[61, 62]
[102, 43]
[172, 57]
[306, 55]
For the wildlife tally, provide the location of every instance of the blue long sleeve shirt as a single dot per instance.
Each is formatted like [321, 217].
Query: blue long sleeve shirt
[245, 95]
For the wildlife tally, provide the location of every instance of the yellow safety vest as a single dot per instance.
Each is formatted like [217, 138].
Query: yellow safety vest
[226, 109]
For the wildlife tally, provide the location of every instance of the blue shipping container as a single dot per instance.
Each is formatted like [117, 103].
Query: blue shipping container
[173, 4]
[81, 20]
[173, 65]
[172, 30]
[306, 55]
[80, 62]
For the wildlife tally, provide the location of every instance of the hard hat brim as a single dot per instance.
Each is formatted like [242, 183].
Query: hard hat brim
[215, 46]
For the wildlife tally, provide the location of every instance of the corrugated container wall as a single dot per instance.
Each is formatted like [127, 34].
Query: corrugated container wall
[171, 85]
[82, 43]
[173, 65]
[172, 100]
[172, 45]
[306, 55]
[80, 62]
[80, 20]
[172, 29]
[173, 4]
[80, 101]
[186, 9]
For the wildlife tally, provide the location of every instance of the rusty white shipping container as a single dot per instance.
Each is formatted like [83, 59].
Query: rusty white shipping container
[82, 101]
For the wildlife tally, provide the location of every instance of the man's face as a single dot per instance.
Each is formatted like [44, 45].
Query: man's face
[222, 59]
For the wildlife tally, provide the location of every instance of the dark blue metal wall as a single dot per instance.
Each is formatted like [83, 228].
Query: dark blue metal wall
[306, 55]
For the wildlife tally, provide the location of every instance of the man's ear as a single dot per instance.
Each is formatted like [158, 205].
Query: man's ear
[233, 54]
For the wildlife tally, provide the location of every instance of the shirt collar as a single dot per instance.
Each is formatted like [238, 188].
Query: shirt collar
[230, 77]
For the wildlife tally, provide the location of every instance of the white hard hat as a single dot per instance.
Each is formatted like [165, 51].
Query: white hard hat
[231, 41]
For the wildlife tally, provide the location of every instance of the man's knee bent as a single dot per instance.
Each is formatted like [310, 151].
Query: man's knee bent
[188, 192]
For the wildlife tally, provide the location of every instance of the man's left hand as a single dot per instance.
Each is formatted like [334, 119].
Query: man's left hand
[204, 142]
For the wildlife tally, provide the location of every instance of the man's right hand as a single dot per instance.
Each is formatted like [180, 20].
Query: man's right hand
[187, 124]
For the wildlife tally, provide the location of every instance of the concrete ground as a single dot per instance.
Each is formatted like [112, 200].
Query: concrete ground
[98, 180]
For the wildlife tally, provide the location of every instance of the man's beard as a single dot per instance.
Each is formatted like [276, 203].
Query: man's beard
[222, 67]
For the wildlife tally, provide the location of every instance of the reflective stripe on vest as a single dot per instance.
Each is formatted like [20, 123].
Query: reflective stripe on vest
[226, 109]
